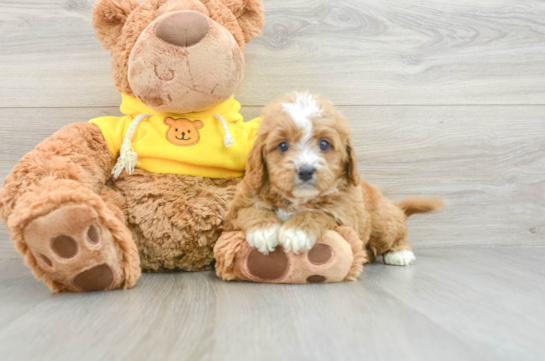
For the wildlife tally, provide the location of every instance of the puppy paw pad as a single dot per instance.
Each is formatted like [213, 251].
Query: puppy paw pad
[316, 279]
[320, 254]
[267, 267]
[98, 278]
[64, 246]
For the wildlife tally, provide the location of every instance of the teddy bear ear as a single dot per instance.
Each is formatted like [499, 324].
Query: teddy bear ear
[198, 124]
[249, 15]
[109, 16]
[169, 121]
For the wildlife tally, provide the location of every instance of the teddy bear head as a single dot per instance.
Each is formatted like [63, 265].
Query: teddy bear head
[177, 56]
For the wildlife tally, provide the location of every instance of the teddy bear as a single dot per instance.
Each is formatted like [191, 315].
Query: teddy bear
[96, 203]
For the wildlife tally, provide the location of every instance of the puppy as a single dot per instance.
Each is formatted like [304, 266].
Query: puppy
[302, 179]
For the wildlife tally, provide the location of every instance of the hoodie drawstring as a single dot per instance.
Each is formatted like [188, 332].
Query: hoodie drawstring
[128, 158]
[227, 138]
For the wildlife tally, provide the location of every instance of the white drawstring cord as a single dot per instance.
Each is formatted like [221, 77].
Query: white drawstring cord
[128, 158]
[227, 138]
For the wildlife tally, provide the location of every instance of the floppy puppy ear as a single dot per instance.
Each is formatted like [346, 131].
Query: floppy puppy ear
[255, 168]
[352, 172]
[249, 15]
[109, 16]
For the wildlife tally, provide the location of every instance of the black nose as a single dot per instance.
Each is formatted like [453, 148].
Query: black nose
[305, 173]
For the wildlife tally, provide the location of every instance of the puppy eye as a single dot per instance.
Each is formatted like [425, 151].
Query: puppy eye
[324, 145]
[283, 147]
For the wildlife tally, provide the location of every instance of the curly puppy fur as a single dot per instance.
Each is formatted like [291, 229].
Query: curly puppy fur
[305, 133]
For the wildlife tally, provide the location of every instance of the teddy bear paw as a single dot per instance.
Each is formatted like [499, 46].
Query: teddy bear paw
[75, 250]
[329, 260]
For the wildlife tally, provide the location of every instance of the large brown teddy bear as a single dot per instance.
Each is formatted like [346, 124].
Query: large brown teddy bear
[81, 215]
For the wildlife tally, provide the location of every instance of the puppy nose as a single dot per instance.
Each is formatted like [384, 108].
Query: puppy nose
[305, 173]
[183, 28]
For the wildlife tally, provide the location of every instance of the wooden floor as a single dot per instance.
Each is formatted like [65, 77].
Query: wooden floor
[453, 304]
[445, 98]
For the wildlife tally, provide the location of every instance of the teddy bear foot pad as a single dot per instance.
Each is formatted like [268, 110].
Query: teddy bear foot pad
[276, 265]
[75, 250]
[337, 257]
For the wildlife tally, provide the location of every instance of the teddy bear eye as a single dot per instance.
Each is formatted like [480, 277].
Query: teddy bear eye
[176, 129]
[189, 131]
[283, 147]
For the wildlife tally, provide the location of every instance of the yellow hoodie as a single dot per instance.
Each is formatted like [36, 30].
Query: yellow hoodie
[195, 144]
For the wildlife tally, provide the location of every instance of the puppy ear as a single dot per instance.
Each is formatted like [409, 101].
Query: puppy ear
[109, 16]
[255, 168]
[352, 166]
[249, 15]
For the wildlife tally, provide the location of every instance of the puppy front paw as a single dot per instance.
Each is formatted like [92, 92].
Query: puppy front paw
[264, 239]
[296, 240]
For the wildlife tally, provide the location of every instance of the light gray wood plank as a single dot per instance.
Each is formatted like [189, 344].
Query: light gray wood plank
[486, 162]
[354, 52]
[19, 291]
[452, 304]
[489, 296]
[7, 249]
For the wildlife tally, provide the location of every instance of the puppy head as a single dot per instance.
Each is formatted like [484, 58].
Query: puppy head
[303, 149]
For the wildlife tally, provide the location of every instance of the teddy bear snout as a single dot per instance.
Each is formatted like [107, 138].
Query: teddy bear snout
[182, 28]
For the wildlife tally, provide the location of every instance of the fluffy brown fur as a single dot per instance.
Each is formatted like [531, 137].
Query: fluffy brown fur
[335, 196]
[175, 220]
[155, 221]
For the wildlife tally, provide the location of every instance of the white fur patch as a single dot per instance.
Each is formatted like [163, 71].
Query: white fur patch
[284, 215]
[304, 107]
[305, 194]
[264, 239]
[295, 240]
[401, 258]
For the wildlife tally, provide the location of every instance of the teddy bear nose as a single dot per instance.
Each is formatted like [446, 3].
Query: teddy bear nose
[183, 28]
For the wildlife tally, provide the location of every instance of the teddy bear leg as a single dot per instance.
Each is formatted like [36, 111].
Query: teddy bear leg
[337, 256]
[62, 218]
[75, 242]
[75, 250]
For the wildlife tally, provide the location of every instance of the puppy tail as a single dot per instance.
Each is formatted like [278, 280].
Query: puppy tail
[414, 205]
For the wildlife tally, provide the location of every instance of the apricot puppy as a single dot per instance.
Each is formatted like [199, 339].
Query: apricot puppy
[302, 180]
